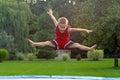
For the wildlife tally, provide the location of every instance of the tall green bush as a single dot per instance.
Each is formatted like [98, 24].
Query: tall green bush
[95, 55]
[3, 54]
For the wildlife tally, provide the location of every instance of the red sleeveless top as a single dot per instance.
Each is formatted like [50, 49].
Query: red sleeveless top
[65, 36]
[62, 38]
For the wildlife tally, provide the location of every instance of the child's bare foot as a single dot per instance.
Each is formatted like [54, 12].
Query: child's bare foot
[93, 47]
[31, 42]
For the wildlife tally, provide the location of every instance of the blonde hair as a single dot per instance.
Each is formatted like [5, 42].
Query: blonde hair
[62, 20]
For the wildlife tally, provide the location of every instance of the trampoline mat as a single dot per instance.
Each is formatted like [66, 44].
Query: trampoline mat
[55, 78]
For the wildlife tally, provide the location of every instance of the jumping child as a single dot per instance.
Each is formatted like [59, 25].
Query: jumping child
[62, 36]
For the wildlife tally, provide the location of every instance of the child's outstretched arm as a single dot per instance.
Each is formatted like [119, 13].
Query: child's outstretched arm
[50, 13]
[79, 29]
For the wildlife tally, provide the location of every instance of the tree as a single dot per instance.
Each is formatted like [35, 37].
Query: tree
[103, 17]
[46, 28]
[14, 18]
[7, 41]
[39, 30]
[39, 8]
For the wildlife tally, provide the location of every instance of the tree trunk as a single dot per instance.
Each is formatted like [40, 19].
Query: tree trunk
[116, 50]
[116, 59]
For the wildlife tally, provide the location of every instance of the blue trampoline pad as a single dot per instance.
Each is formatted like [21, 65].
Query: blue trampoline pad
[55, 78]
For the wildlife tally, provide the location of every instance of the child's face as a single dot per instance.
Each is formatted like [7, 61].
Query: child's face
[62, 26]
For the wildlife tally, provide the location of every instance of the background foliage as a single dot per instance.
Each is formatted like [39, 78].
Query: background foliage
[20, 20]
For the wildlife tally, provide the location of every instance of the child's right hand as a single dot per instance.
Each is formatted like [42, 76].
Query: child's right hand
[50, 11]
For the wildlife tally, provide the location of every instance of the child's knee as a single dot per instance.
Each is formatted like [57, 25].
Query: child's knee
[76, 44]
[46, 42]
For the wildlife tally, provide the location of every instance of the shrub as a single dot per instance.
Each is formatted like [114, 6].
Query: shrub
[65, 57]
[95, 55]
[3, 54]
[31, 56]
[78, 57]
[47, 54]
[20, 56]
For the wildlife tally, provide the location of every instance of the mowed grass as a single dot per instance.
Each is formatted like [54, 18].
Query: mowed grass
[103, 68]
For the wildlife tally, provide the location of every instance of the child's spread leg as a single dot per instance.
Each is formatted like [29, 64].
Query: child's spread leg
[82, 47]
[40, 44]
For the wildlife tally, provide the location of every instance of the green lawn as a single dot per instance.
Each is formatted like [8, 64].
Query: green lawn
[103, 68]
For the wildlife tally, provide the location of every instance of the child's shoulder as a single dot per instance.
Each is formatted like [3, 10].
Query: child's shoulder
[69, 26]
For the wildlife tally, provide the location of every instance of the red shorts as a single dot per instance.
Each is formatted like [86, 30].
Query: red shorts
[61, 44]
